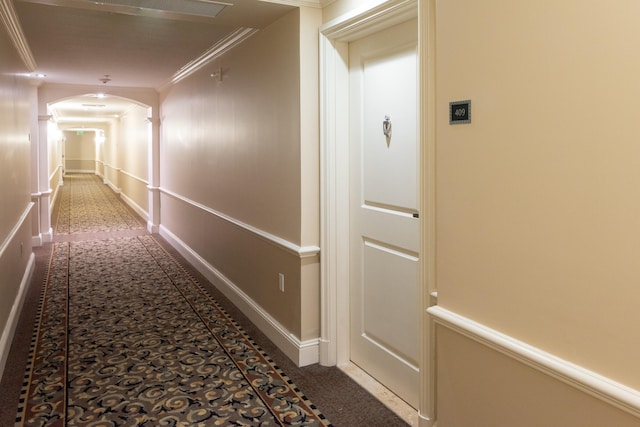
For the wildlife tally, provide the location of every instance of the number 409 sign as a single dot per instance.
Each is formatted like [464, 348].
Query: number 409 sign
[459, 112]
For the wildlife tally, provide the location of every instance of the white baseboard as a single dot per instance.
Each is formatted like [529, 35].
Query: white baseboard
[303, 353]
[36, 241]
[592, 383]
[48, 236]
[153, 228]
[14, 316]
[136, 207]
[112, 186]
[80, 171]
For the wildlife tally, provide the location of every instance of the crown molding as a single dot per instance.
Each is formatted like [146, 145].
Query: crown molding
[369, 18]
[11, 22]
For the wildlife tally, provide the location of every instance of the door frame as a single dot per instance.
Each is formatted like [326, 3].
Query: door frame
[335, 36]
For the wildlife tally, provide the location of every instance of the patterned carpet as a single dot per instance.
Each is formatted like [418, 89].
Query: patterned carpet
[126, 337]
[86, 205]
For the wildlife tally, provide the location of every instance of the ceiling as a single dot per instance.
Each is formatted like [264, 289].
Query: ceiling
[129, 43]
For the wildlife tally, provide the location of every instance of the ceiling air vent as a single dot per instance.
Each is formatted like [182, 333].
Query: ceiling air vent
[203, 8]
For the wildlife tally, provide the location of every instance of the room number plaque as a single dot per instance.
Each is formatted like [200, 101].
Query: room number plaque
[460, 112]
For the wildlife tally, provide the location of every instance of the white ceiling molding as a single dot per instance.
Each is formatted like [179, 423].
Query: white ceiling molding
[217, 50]
[368, 19]
[12, 24]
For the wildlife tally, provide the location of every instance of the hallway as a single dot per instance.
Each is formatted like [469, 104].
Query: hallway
[230, 131]
[130, 334]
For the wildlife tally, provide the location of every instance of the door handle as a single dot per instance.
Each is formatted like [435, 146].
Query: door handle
[386, 126]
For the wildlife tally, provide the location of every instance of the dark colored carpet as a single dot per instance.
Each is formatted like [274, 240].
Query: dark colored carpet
[91, 384]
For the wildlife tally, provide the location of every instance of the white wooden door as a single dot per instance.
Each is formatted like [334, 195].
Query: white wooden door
[385, 198]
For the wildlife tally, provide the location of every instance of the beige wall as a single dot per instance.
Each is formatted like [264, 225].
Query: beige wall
[80, 151]
[15, 193]
[480, 387]
[310, 19]
[235, 145]
[538, 210]
[241, 147]
[133, 156]
[342, 7]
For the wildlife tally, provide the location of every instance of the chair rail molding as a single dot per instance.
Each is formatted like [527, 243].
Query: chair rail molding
[292, 248]
[592, 383]
[130, 175]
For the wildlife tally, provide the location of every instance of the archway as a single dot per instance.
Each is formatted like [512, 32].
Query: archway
[120, 130]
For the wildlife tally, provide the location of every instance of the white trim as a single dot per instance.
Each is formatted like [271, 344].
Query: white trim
[111, 185]
[292, 248]
[369, 19]
[14, 315]
[70, 159]
[122, 171]
[36, 241]
[427, 58]
[152, 228]
[303, 353]
[14, 231]
[55, 193]
[136, 207]
[41, 194]
[48, 236]
[55, 171]
[334, 142]
[334, 232]
[92, 171]
[154, 196]
[592, 383]
[11, 22]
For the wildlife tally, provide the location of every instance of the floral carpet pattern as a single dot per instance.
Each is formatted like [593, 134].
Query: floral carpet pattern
[126, 337]
[87, 205]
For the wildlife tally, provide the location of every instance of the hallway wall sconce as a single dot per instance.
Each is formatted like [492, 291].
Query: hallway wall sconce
[217, 75]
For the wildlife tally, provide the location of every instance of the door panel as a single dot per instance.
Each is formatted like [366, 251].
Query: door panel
[390, 164]
[384, 224]
[389, 277]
